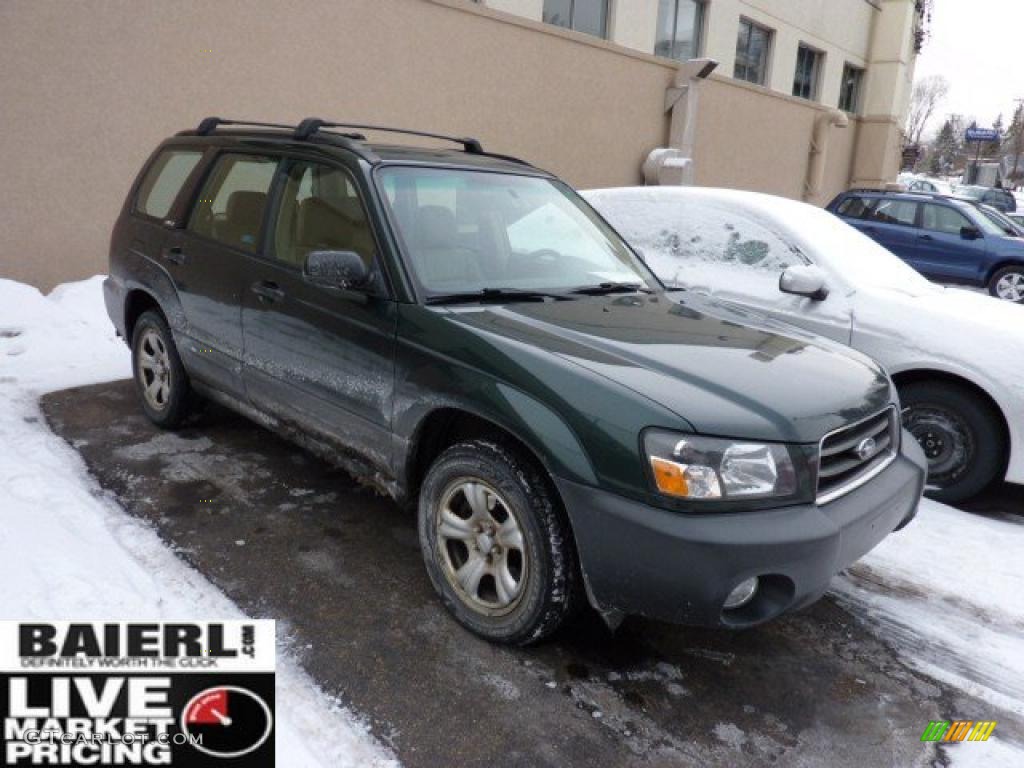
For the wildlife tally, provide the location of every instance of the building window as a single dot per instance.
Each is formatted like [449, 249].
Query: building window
[680, 29]
[808, 72]
[753, 44]
[590, 16]
[849, 91]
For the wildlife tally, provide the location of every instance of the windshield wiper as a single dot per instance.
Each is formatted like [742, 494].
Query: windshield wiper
[495, 295]
[603, 289]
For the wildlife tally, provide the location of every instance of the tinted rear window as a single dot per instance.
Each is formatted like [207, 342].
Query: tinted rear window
[854, 207]
[164, 180]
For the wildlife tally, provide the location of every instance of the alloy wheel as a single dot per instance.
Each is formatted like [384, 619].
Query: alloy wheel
[1010, 287]
[483, 551]
[154, 364]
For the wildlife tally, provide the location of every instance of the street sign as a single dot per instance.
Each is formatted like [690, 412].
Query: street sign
[982, 134]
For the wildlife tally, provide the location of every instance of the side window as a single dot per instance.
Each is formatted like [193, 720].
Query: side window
[855, 207]
[942, 218]
[894, 212]
[320, 211]
[164, 180]
[231, 204]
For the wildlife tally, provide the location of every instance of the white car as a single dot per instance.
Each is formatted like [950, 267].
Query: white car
[957, 357]
[924, 184]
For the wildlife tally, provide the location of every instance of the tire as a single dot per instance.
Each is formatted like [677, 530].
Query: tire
[542, 585]
[1008, 284]
[160, 378]
[961, 435]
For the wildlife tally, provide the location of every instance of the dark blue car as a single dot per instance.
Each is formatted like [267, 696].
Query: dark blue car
[943, 238]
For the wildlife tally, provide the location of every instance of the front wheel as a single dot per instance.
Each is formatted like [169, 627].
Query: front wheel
[496, 543]
[961, 436]
[1008, 284]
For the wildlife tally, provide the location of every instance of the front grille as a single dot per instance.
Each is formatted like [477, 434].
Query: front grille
[852, 455]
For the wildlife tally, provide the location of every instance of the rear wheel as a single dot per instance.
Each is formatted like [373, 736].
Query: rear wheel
[1008, 284]
[160, 377]
[496, 544]
[961, 436]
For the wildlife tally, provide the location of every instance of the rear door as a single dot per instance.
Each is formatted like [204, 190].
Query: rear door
[893, 223]
[320, 357]
[944, 251]
[155, 199]
[208, 259]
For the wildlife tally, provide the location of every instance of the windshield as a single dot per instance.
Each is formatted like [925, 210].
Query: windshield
[688, 239]
[467, 231]
[1007, 226]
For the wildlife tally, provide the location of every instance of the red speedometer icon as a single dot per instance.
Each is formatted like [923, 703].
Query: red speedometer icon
[209, 708]
[227, 721]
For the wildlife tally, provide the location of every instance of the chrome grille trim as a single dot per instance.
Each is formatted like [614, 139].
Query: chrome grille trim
[840, 470]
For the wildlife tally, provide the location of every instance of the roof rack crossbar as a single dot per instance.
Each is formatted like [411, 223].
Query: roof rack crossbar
[209, 124]
[312, 125]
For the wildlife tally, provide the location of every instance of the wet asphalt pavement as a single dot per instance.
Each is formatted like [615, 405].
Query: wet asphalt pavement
[289, 537]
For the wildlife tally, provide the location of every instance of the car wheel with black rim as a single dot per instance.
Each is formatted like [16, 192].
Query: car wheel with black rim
[160, 377]
[1008, 284]
[496, 543]
[961, 434]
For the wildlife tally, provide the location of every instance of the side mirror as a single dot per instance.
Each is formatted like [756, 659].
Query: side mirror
[804, 280]
[969, 233]
[336, 269]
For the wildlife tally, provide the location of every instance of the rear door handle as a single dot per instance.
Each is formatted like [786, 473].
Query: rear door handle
[174, 254]
[268, 291]
[925, 237]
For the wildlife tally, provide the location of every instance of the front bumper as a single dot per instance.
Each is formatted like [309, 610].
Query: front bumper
[642, 560]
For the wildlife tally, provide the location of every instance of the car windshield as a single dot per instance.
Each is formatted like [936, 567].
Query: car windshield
[466, 231]
[1008, 227]
[697, 241]
[986, 223]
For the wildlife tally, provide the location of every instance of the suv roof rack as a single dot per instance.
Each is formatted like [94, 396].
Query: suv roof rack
[311, 125]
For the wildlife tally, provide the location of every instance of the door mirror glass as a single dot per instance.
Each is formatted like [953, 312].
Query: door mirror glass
[336, 269]
[807, 281]
[969, 233]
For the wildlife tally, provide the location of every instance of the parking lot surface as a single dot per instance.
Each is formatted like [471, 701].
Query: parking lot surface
[289, 537]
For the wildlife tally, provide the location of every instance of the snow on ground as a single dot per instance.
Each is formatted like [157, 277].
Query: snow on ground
[948, 591]
[69, 552]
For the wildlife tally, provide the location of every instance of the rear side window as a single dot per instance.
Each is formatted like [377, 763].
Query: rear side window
[894, 212]
[855, 207]
[164, 180]
[231, 204]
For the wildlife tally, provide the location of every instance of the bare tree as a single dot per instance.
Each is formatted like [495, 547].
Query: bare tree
[928, 93]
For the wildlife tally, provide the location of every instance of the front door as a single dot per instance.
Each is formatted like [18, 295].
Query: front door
[945, 252]
[319, 357]
[209, 257]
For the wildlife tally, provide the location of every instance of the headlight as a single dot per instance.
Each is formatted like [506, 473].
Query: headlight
[707, 468]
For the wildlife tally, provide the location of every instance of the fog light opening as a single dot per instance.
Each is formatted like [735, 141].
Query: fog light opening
[742, 594]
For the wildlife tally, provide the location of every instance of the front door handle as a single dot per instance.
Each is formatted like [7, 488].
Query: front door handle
[925, 237]
[268, 291]
[174, 254]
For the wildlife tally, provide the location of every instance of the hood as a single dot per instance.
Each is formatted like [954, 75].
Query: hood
[724, 370]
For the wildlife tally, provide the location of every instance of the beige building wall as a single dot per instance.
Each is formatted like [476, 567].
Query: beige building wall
[752, 138]
[88, 89]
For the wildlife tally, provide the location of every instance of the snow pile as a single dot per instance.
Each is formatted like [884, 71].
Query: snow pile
[69, 552]
[947, 591]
